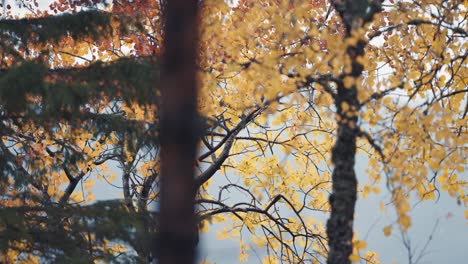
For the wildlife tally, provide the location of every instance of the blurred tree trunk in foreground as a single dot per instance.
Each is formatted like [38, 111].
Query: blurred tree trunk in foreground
[178, 134]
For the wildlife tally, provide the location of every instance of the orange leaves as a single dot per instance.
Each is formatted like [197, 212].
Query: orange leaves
[20, 159]
[15, 253]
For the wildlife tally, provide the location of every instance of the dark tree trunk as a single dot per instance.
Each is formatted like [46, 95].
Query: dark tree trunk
[178, 134]
[343, 197]
[354, 14]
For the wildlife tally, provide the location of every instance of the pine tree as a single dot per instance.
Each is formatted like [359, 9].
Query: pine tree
[65, 80]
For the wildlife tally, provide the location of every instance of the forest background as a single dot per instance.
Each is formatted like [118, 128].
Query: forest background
[268, 98]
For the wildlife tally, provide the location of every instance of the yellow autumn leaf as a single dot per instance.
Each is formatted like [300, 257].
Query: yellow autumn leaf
[349, 81]
[387, 230]
[354, 258]
[413, 75]
[243, 256]
[405, 222]
[361, 244]
[204, 227]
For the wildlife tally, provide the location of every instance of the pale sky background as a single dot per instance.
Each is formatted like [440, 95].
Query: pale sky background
[449, 242]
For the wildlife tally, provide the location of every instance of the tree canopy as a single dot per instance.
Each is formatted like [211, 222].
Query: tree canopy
[290, 92]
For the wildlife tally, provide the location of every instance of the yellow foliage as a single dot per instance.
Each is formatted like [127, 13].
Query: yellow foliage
[387, 230]
[354, 258]
[283, 57]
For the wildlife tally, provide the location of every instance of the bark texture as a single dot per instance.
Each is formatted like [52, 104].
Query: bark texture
[178, 134]
[354, 14]
[343, 197]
